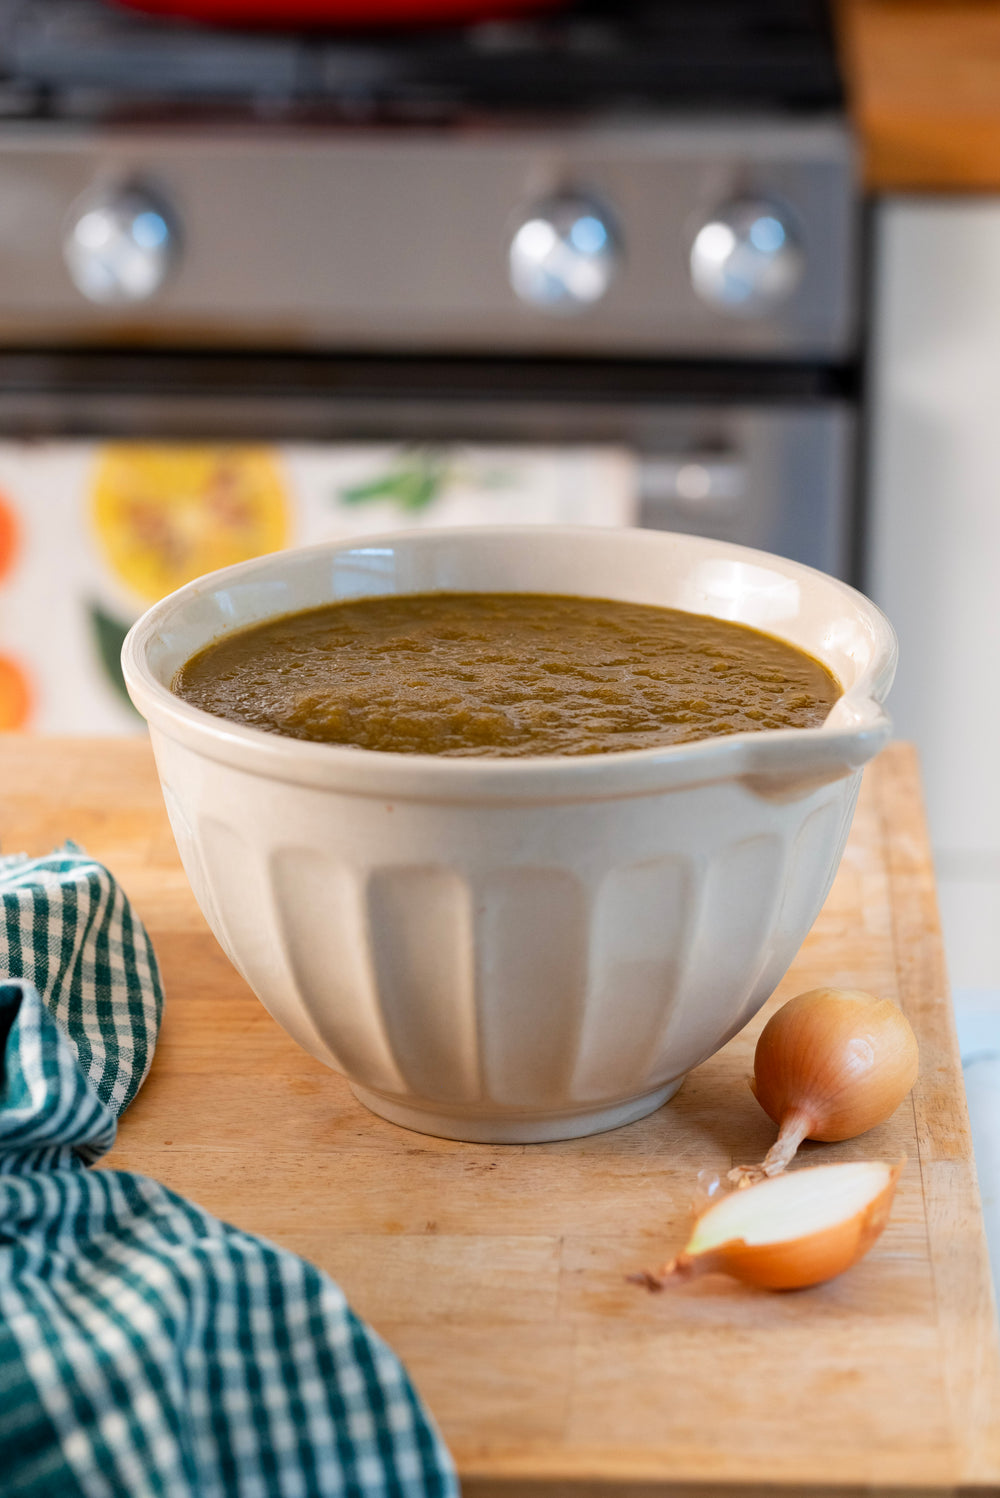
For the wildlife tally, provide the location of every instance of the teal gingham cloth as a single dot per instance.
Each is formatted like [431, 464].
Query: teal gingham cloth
[145, 1347]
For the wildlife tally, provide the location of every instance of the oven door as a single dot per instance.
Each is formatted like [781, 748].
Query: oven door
[124, 476]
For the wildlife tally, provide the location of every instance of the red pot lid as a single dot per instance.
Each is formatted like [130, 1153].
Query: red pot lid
[289, 14]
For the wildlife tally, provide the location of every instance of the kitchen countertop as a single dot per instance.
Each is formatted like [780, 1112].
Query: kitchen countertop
[924, 81]
[498, 1273]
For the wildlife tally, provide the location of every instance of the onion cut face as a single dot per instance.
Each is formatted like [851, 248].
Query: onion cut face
[789, 1231]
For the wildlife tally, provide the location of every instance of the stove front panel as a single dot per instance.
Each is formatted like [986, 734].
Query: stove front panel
[401, 239]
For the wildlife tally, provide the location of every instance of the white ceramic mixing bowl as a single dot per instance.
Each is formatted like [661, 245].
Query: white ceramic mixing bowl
[527, 949]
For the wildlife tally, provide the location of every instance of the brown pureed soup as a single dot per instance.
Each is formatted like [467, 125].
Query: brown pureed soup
[505, 674]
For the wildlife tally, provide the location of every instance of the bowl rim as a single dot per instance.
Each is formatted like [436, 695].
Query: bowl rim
[769, 758]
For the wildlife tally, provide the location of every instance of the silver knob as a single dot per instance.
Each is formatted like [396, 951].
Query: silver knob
[120, 247]
[747, 259]
[564, 256]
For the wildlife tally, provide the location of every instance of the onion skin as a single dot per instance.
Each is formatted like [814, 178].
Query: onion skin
[795, 1263]
[831, 1064]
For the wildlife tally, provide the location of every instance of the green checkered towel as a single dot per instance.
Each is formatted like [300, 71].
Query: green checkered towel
[145, 1347]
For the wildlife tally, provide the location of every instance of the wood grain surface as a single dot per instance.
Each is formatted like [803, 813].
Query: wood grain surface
[923, 79]
[498, 1273]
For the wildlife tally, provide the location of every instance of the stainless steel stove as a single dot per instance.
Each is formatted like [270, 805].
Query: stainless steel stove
[573, 186]
[627, 225]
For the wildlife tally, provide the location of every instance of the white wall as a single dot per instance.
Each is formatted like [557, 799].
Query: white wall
[934, 537]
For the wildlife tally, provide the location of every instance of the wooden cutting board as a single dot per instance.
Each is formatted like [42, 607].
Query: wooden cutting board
[498, 1272]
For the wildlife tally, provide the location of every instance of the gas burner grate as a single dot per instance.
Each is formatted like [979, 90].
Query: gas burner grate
[86, 58]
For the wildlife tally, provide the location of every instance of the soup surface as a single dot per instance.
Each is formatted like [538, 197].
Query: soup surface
[502, 674]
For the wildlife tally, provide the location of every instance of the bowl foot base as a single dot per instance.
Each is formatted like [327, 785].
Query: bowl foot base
[514, 1129]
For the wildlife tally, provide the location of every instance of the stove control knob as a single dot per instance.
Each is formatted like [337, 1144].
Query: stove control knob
[747, 259]
[120, 247]
[564, 255]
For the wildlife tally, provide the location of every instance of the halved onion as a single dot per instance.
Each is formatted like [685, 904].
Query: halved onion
[789, 1231]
